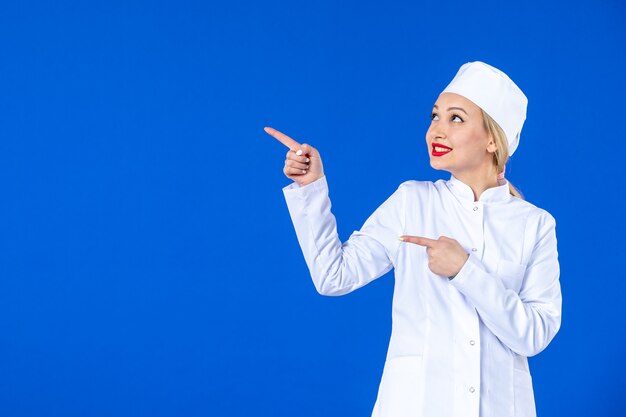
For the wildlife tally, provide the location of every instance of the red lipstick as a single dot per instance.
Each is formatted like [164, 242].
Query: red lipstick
[446, 149]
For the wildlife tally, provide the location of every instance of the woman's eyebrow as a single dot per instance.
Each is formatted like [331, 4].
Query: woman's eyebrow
[451, 108]
[457, 108]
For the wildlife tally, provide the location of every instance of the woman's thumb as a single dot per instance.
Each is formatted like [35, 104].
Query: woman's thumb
[308, 150]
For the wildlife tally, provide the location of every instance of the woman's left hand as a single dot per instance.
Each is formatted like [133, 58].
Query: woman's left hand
[446, 256]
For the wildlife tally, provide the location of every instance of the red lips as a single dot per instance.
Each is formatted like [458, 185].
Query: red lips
[446, 150]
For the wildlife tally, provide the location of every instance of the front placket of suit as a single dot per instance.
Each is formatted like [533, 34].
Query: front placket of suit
[466, 343]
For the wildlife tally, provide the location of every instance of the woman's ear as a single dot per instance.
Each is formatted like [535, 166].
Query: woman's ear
[491, 146]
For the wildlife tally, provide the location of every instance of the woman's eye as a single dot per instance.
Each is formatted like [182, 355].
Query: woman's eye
[434, 116]
[456, 118]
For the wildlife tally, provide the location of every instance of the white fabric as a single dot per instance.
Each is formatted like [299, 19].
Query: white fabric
[458, 347]
[495, 93]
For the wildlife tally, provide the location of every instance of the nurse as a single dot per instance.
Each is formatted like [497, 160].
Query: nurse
[476, 267]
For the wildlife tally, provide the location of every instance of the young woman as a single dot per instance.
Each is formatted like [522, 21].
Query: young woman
[476, 271]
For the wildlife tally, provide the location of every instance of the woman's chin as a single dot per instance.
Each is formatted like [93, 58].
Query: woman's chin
[436, 164]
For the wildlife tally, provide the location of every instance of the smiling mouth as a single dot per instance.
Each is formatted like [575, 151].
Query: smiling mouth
[440, 150]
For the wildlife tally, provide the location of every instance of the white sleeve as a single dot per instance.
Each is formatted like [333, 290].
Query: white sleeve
[528, 321]
[338, 268]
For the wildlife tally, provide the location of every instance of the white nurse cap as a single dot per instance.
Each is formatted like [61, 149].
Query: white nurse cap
[495, 93]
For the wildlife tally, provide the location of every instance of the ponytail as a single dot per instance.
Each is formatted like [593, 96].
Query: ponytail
[514, 191]
[501, 155]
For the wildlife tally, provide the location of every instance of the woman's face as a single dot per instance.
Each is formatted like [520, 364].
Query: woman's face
[457, 139]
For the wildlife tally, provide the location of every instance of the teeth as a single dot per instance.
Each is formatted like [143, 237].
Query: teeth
[440, 149]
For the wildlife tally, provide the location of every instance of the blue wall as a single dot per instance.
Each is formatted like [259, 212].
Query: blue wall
[148, 265]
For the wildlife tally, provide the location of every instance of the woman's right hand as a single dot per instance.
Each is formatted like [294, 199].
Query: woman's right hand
[303, 163]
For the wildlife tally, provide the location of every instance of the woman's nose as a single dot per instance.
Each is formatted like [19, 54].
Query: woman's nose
[436, 132]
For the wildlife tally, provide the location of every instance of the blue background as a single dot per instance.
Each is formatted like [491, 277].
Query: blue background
[148, 265]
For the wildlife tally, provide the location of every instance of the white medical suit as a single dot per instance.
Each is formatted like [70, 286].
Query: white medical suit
[458, 347]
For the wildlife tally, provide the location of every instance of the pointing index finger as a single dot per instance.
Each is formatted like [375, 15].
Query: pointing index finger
[282, 138]
[419, 240]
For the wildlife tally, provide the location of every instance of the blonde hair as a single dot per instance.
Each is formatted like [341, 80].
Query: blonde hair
[501, 156]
